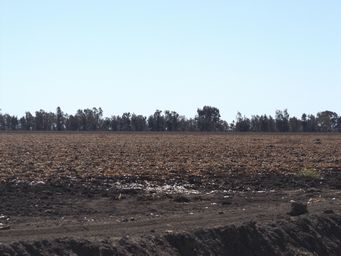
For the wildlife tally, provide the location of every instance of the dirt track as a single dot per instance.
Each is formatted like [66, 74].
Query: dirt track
[144, 213]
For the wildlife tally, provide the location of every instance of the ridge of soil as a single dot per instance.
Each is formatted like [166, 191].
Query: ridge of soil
[300, 236]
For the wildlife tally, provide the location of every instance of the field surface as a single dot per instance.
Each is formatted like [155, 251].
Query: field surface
[39, 157]
[146, 193]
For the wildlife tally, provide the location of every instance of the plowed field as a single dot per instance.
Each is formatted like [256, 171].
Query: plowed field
[169, 194]
[39, 157]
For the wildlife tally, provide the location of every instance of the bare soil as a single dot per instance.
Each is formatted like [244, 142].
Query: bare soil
[169, 194]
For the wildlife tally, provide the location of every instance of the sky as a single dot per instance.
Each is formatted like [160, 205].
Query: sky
[138, 56]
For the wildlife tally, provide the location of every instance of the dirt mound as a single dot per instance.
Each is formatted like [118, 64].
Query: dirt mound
[316, 235]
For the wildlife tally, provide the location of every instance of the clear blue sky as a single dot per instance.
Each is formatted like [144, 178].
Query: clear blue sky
[248, 56]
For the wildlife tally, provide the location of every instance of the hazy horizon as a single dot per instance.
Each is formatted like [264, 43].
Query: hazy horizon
[137, 57]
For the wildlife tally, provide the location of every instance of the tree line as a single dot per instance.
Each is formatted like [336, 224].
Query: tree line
[208, 119]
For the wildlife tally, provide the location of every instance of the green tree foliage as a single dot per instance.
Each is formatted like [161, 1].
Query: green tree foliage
[338, 126]
[8, 122]
[125, 122]
[106, 124]
[59, 119]
[115, 123]
[2, 122]
[138, 123]
[312, 124]
[87, 119]
[30, 121]
[295, 125]
[304, 122]
[171, 120]
[73, 123]
[282, 121]
[243, 124]
[208, 119]
[327, 121]
[44, 121]
[157, 121]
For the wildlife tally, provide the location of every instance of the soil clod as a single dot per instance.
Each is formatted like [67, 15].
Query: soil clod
[298, 208]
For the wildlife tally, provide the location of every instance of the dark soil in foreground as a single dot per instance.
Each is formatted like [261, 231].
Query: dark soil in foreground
[318, 235]
[239, 214]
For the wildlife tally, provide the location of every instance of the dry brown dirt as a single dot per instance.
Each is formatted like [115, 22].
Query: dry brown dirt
[169, 194]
